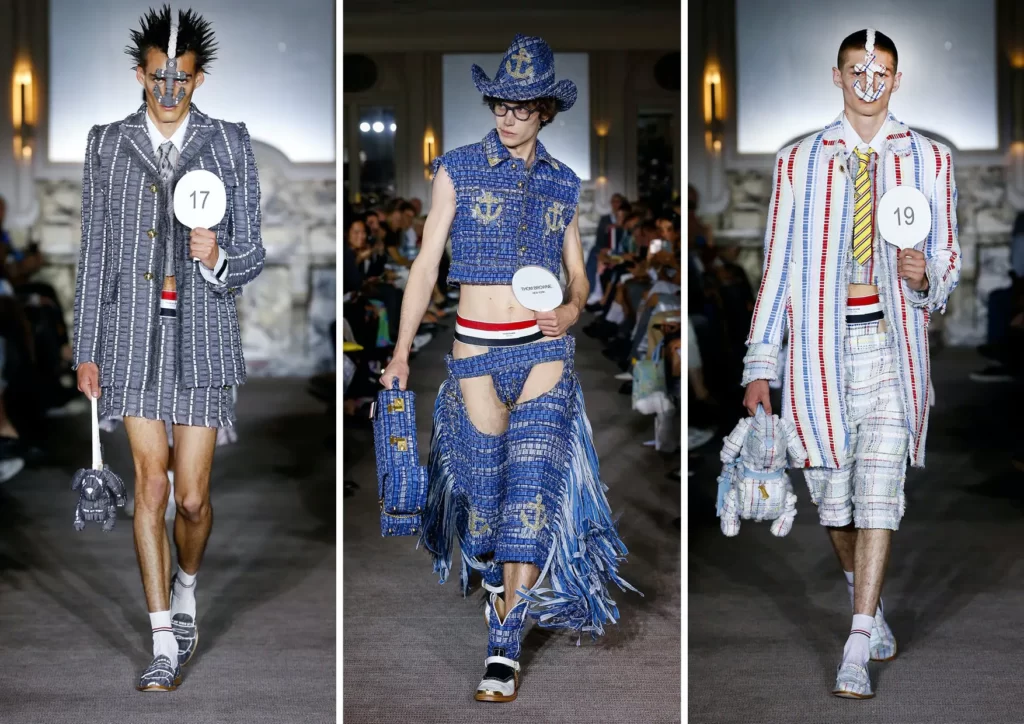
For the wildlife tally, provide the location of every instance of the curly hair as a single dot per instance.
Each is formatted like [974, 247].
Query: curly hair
[194, 34]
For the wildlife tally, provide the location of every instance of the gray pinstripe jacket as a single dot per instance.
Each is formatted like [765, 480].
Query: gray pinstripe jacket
[120, 270]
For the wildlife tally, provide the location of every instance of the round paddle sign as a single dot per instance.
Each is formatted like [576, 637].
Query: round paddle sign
[200, 200]
[904, 217]
[537, 289]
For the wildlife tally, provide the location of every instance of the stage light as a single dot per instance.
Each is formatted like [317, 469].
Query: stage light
[378, 127]
[714, 107]
[428, 152]
[601, 129]
[394, 127]
[364, 127]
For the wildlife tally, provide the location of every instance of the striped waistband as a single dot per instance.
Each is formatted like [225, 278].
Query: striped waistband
[168, 304]
[496, 334]
[862, 310]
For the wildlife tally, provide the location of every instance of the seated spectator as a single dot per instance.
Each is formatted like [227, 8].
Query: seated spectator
[1005, 338]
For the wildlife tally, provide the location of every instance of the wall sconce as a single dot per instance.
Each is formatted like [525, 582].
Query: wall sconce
[23, 111]
[429, 152]
[601, 129]
[714, 107]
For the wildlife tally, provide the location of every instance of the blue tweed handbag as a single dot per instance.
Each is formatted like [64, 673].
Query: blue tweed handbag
[401, 480]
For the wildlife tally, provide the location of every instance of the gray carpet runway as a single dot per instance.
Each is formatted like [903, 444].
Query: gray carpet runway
[768, 617]
[74, 633]
[414, 650]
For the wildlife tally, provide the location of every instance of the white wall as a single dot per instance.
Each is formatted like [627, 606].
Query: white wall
[275, 72]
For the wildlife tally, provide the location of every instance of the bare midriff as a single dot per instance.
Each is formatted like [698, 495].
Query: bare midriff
[488, 303]
[865, 290]
[170, 285]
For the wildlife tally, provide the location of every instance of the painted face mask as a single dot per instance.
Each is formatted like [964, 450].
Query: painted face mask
[170, 75]
[865, 88]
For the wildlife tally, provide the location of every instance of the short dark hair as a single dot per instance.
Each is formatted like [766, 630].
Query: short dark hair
[859, 40]
[632, 216]
[399, 205]
[546, 106]
[648, 226]
[194, 34]
[626, 207]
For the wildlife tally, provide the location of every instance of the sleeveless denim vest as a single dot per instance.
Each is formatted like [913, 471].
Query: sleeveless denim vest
[507, 216]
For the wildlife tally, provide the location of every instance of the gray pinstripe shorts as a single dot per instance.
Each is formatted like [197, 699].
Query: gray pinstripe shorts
[164, 399]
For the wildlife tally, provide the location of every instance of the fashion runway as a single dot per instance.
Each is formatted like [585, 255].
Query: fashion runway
[75, 633]
[768, 617]
[414, 650]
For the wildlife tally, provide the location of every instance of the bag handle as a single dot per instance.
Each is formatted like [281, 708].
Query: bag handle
[97, 457]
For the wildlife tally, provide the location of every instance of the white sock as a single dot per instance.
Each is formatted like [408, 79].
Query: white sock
[857, 648]
[163, 638]
[849, 589]
[183, 594]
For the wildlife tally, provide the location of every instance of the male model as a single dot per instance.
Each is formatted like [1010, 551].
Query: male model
[156, 326]
[513, 471]
[857, 382]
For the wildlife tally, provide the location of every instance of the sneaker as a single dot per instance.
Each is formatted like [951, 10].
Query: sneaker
[420, 341]
[624, 376]
[160, 675]
[77, 406]
[853, 682]
[993, 373]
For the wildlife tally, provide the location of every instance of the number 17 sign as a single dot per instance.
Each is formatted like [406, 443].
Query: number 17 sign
[904, 217]
[200, 200]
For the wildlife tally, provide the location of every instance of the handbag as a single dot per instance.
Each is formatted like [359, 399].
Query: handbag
[650, 393]
[401, 480]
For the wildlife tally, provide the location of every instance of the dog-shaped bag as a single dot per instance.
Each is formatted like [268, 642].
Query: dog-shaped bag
[753, 484]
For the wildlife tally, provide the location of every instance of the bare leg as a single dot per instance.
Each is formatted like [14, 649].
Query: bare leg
[148, 441]
[192, 524]
[517, 575]
[844, 543]
[873, 545]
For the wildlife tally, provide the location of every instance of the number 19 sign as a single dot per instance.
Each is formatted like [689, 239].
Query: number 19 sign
[904, 217]
[200, 200]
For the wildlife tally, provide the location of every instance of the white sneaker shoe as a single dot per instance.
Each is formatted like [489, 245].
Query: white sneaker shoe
[624, 376]
[9, 468]
[698, 437]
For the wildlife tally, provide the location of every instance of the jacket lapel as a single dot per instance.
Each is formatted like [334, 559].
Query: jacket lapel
[136, 135]
[200, 131]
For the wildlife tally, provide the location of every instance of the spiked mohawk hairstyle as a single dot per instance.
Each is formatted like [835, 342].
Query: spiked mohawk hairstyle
[194, 33]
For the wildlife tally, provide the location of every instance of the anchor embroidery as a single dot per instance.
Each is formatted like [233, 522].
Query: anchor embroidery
[539, 516]
[553, 217]
[521, 57]
[487, 209]
[477, 523]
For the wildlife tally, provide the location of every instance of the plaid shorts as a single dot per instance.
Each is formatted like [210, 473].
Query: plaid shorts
[868, 489]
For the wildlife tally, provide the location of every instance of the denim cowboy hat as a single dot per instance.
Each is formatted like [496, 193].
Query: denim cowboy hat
[526, 73]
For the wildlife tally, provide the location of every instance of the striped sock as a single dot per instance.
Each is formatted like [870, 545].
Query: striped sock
[857, 646]
[163, 637]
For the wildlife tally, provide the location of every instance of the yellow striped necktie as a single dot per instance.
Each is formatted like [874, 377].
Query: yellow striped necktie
[863, 211]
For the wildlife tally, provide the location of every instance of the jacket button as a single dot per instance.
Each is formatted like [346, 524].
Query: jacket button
[151, 233]
[522, 249]
[148, 276]
[524, 227]
[519, 185]
[154, 188]
[227, 387]
[513, 167]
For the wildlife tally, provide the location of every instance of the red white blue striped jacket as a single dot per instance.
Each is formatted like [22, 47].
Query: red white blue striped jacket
[804, 287]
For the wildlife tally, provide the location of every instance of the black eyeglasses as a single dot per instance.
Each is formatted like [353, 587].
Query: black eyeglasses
[521, 113]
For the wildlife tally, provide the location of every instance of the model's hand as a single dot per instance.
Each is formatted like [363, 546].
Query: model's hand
[556, 322]
[203, 246]
[757, 394]
[910, 265]
[89, 379]
[396, 368]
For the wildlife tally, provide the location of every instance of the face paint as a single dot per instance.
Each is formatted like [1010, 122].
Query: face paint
[170, 74]
[867, 91]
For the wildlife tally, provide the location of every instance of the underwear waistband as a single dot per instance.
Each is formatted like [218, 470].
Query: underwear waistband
[168, 304]
[862, 310]
[496, 334]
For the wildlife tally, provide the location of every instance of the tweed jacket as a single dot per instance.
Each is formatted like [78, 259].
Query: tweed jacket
[807, 245]
[120, 271]
[507, 215]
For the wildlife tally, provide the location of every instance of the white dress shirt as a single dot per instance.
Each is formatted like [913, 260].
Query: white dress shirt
[853, 139]
[178, 139]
